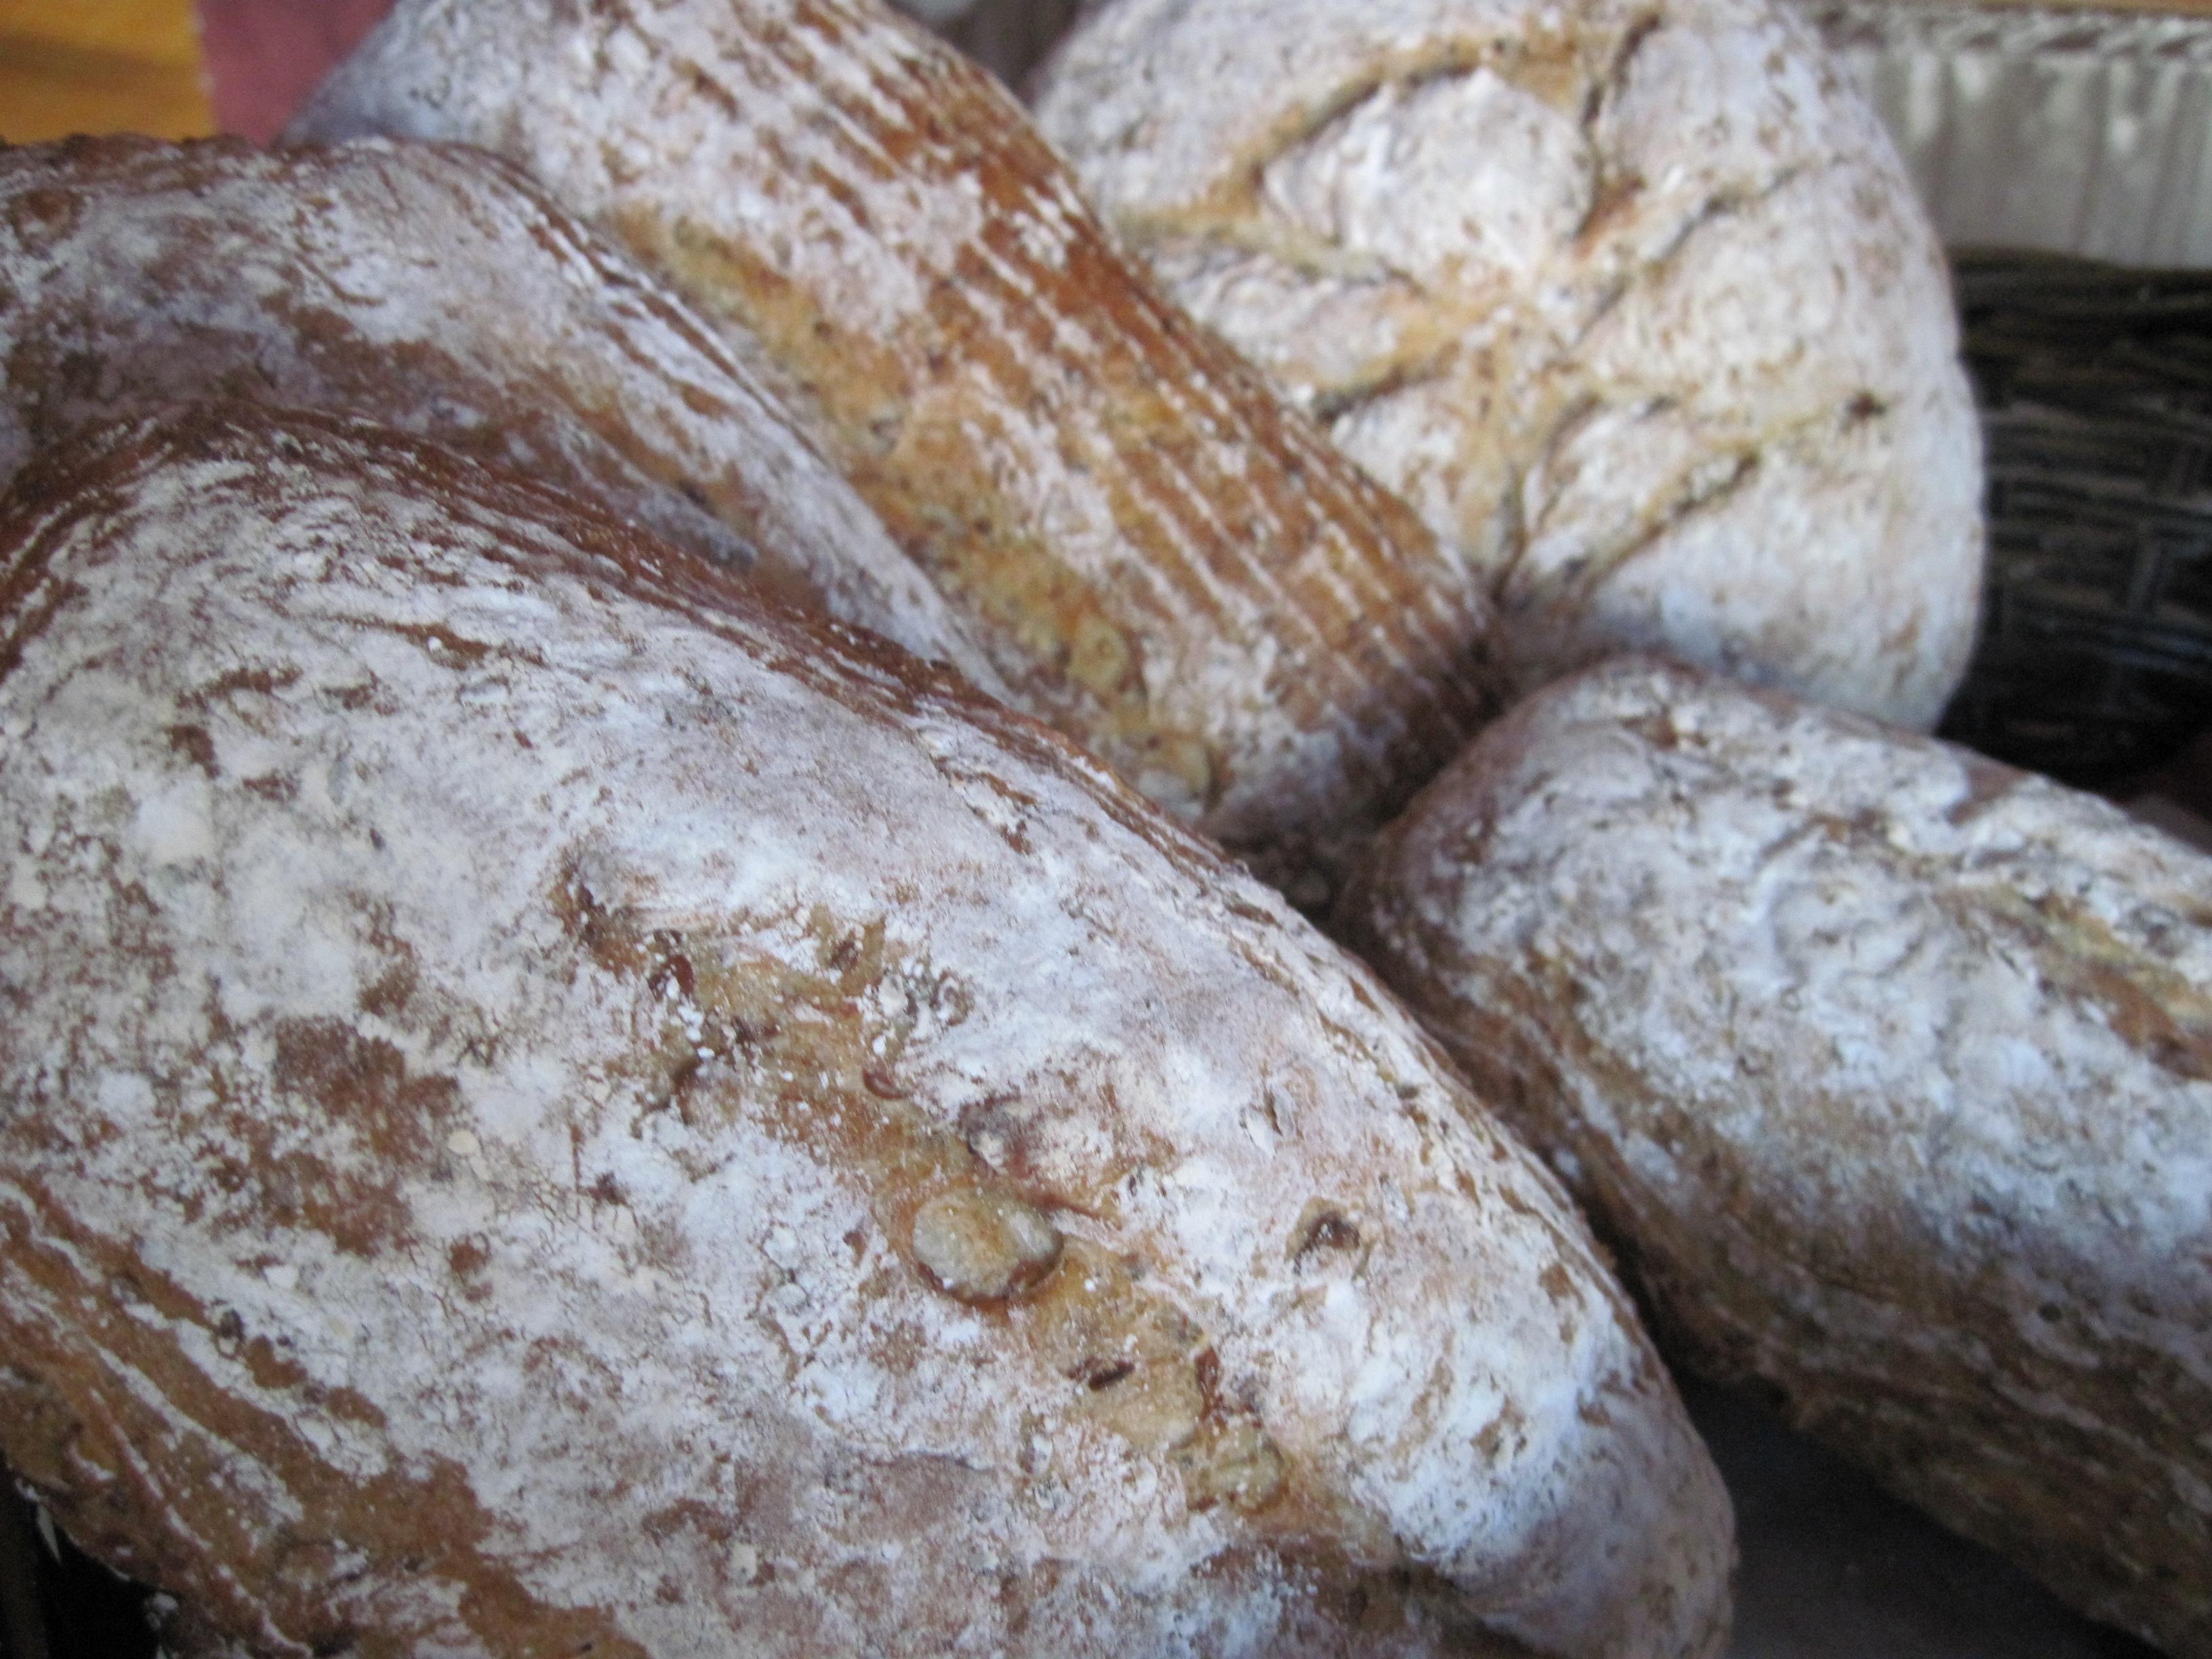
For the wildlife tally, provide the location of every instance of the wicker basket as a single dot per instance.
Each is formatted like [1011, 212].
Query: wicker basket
[2095, 382]
[2083, 136]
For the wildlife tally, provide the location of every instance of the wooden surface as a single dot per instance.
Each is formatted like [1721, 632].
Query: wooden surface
[100, 66]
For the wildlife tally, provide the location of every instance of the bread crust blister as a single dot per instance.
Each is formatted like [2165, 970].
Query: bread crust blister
[540, 1107]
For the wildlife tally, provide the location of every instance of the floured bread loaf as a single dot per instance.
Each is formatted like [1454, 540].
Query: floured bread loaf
[1169, 565]
[433, 289]
[1888, 1069]
[1630, 298]
[539, 1116]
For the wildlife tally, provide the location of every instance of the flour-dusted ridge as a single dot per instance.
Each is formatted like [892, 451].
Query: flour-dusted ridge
[1630, 298]
[1170, 565]
[433, 289]
[537, 1110]
[1890, 1070]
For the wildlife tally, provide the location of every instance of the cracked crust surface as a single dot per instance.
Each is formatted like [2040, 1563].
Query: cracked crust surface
[1887, 1069]
[1170, 565]
[435, 288]
[541, 1113]
[1630, 298]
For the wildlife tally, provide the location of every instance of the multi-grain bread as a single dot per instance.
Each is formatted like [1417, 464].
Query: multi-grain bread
[1630, 298]
[540, 1114]
[435, 288]
[1889, 1072]
[1170, 565]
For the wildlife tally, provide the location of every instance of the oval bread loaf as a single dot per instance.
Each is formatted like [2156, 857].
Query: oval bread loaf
[539, 1115]
[1888, 1070]
[1171, 566]
[435, 288]
[1631, 299]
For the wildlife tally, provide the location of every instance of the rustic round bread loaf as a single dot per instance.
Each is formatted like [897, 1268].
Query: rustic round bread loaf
[1630, 298]
[1168, 564]
[1887, 1069]
[435, 288]
[541, 1114]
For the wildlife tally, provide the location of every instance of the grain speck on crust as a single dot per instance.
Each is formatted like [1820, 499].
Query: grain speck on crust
[984, 1246]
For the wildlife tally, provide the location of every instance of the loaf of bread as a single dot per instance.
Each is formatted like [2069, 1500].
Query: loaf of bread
[1889, 1072]
[435, 288]
[1630, 298]
[543, 1114]
[1171, 566]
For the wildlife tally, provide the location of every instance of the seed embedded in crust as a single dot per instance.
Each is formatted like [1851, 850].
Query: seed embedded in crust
[1323, 1226]
[984, 1246]
[1236, 1464]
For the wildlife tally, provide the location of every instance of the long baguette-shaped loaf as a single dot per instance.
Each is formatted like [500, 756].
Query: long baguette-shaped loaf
[1171, 566]
[1888, 1069]
[539, 1115]
[432, 287]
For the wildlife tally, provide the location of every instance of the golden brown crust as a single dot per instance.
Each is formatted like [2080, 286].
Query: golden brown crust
[541, 1109]
[1168, 564]
[435, 288]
